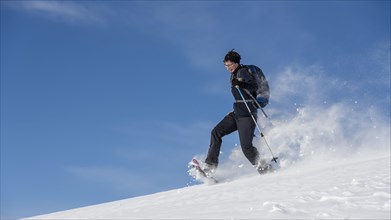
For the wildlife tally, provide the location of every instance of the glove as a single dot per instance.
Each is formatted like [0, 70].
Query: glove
[235, 82]
[262, 101]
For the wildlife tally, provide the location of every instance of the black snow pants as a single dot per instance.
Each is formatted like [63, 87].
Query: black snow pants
[230, 123]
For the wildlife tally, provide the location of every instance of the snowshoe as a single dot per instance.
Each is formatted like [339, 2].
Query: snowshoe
[205, 173]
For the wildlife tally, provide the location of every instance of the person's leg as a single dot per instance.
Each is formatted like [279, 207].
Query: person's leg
[224, 127]
[246, 127]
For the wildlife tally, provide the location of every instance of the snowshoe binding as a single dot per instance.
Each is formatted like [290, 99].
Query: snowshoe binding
[262, 167]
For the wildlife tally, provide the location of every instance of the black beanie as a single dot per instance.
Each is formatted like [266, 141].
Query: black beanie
[232, 56]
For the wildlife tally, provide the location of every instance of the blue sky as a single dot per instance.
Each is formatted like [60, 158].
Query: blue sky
[102, 101]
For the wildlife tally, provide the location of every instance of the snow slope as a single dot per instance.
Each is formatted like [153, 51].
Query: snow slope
[334, 162]
[356, 187]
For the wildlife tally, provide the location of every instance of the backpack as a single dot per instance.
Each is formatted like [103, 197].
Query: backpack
[263, 92]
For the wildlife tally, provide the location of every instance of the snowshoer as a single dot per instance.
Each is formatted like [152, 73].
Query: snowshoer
[239, 119]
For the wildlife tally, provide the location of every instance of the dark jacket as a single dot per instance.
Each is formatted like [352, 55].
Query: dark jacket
[246, 82]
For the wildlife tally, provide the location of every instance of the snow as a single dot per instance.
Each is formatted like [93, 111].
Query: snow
[334, 163]
[347, 188]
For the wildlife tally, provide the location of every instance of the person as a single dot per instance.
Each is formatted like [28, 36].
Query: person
[239, 119]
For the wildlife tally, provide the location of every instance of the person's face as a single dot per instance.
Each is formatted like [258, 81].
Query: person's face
[231, 66]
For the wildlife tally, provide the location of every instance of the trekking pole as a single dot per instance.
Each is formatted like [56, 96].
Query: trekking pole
[264, 113]
[256, 124]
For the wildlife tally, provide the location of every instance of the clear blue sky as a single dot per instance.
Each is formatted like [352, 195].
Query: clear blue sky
[106, 100]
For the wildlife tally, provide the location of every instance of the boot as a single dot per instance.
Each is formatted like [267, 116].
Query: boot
[209, 169]
[262, 167]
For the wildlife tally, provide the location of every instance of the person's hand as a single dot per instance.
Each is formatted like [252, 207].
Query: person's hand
[235, 82]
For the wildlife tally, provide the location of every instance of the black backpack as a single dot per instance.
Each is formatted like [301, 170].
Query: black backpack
[263, 92]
